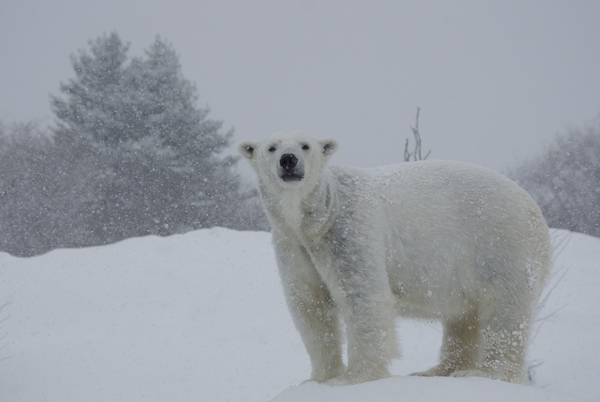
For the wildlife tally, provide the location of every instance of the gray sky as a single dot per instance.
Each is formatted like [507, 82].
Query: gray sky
[495, 80]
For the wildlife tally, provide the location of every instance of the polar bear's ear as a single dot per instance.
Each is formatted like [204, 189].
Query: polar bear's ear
[328, 145]
[246, 148]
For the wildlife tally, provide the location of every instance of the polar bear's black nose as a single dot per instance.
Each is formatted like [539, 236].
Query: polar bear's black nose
[288, 161]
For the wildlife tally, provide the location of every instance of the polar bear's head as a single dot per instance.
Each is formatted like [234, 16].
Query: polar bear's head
[290, 160]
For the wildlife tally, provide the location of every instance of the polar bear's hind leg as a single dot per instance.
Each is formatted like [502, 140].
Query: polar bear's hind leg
[504, 339]
[460, 347]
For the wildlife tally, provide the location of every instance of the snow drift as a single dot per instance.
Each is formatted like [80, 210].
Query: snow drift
[201, 316]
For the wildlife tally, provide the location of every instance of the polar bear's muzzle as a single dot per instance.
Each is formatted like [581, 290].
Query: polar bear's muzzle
[290, 169]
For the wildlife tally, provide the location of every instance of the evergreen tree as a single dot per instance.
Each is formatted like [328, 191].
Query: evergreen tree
[38, 193]
[93, 100]
[131, 154]
[148, 158]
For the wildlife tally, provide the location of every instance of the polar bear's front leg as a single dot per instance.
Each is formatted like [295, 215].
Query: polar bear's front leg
[361, 289]
[315, 314]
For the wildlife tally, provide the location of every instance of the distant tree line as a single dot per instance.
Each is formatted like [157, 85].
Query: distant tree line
[565, 180]
[130, 154]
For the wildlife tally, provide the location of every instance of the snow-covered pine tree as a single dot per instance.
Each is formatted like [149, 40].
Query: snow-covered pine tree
[25, 188]
[149, 158]
[564, 179]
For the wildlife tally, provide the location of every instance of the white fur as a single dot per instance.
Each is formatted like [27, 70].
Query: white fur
[432, 239]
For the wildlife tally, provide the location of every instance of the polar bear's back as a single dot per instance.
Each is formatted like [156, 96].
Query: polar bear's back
[450, 222]
[429, 189]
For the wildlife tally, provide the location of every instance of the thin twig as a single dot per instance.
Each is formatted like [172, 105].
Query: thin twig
[406, 153]
[418, 146]
[417, 136]
[560, 243]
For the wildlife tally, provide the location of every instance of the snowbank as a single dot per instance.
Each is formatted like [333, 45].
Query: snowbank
[201, 316]
[396, 389]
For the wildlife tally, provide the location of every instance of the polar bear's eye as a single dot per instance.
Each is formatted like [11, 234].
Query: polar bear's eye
[272, 149]
[305, 147]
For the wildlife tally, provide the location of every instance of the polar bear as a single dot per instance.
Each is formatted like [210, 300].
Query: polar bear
[429, 239]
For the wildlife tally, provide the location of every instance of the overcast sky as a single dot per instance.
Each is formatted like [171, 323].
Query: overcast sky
[495, 80]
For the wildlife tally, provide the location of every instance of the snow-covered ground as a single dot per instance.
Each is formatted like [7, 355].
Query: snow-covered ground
[201, 317]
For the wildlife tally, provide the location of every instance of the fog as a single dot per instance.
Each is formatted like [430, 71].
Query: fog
[494, 80]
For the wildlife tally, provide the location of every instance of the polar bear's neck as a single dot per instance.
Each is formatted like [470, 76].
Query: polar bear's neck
[292, 208]
[308, 214]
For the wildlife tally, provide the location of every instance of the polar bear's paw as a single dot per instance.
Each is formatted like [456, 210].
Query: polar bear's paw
[441, 370]
[491, 374]
[355, 378]
[327, 373]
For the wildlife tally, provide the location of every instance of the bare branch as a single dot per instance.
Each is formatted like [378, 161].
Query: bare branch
[407, 154]
[531, 368]
[417, 152]
[417, 136]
